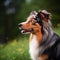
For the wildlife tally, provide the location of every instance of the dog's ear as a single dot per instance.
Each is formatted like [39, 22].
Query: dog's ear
[33, 13]
[44, 15]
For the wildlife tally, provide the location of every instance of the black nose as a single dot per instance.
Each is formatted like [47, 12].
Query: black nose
[19, 24]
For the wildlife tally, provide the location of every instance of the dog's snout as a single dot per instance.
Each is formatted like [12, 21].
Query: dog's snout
[19, 24]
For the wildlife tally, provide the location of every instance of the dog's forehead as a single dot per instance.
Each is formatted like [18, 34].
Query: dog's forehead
[31, 17]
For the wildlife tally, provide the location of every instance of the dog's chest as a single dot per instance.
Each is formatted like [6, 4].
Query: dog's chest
[34, 48]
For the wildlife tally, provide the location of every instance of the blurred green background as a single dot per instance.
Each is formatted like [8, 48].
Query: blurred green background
[14, 45]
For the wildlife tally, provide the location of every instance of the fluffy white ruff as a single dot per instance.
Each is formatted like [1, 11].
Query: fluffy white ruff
[34, 48]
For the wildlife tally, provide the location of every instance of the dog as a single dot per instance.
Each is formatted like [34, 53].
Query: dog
[44, 44]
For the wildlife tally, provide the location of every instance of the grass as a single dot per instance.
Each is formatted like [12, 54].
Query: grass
[15, 50]
[18, 49]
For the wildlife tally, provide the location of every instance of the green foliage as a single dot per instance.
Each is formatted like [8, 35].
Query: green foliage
[57, 30]
[15, 50]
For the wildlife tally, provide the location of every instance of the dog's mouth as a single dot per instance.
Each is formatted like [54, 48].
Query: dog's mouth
[26, 31]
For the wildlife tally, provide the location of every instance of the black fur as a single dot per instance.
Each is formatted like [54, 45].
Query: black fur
[38, 18]
[53, 51]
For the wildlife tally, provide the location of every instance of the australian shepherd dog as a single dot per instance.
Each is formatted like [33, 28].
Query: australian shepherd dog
[44, 44]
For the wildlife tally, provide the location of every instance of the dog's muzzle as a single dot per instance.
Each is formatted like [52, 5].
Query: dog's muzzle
[24, 31]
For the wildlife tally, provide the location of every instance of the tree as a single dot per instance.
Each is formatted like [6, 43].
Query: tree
[9, 9]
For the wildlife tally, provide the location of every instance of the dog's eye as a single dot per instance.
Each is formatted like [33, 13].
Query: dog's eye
[33, 23]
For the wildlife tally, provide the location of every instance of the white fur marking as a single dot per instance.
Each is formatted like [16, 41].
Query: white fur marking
[34, 49]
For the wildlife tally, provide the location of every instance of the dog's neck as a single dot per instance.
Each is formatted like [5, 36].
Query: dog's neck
[48, 33]
[38, 35]
[41, 38]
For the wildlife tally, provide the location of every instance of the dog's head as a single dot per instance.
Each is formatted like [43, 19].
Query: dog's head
[34, 22]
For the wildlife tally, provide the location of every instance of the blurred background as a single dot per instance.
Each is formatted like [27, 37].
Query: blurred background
[13, 12]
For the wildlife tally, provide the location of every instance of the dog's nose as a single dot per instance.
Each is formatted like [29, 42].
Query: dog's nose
[19, 24]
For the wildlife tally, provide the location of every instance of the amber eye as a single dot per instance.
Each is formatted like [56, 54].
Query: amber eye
[33, 23]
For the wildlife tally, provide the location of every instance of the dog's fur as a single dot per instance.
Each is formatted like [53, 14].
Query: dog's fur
[44, 44]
